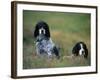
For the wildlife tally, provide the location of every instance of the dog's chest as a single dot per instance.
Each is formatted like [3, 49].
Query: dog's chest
[45, 45]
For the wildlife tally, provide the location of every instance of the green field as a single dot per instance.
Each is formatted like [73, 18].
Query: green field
[66, 30]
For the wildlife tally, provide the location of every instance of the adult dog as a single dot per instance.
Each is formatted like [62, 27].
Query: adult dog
[44, 43]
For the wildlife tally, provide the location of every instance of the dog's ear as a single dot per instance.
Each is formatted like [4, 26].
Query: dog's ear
[47, 31]
[86, 51]
[36, 32]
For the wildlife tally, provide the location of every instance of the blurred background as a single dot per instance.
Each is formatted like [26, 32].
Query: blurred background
[66, 30]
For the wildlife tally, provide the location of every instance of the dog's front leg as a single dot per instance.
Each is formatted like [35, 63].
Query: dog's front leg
[49, 55]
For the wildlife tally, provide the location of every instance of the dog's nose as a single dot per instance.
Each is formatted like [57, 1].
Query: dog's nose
[42, 31]
[82, 52]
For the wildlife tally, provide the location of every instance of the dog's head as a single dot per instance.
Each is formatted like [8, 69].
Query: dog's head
[42, 28]
[80, 48]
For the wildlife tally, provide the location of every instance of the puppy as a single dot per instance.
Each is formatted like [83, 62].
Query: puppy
[80, 48]
[44, 43]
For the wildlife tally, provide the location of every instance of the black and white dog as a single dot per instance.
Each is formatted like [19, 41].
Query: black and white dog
[44, 43]
[80, 49]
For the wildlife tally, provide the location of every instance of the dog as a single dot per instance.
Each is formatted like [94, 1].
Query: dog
[80, 48]
[44, 43]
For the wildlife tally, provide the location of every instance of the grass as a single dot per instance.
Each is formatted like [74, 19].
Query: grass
[66, 29]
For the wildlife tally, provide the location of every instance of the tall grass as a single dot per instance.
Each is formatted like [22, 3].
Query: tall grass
[66, 29]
